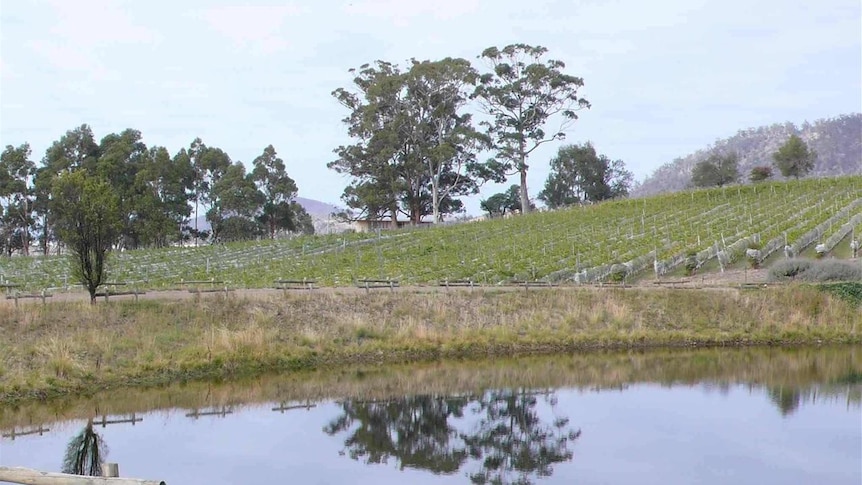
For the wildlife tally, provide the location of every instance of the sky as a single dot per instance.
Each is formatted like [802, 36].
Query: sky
[665, 78]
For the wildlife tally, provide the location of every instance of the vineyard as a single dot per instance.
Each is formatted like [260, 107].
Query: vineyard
[626, 238]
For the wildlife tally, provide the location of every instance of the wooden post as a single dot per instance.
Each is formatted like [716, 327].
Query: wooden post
[110, 470]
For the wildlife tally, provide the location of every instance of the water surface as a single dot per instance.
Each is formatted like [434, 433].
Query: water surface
[699, 416]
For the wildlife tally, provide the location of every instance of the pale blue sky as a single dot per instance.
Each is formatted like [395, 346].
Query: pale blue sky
[664, 77]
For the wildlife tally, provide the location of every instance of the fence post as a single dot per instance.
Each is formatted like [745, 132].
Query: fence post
[110, 470]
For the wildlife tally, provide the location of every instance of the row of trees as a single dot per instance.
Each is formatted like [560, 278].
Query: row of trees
[416, 147]
[140, 196]
[793, 159]
[579, 175]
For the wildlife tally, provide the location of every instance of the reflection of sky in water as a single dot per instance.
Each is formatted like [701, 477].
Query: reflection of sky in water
[642, 434]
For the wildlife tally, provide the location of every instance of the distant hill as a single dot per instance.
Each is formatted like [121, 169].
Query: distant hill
[837, 141]
[318, 210]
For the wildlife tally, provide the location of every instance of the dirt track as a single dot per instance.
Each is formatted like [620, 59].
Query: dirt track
[711, 280]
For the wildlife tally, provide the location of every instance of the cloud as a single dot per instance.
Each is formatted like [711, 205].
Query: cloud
[79, 31]
[259, 29]
[400, 12]
[73, 59]
[97, 22]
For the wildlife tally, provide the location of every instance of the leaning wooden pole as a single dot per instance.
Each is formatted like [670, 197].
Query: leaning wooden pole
[29, 476]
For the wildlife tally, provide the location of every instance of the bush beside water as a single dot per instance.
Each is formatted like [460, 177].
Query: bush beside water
[815, 271]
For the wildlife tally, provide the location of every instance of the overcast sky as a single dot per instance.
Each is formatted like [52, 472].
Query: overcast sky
[664, 77]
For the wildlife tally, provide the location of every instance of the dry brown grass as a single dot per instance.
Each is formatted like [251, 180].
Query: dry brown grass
[72, 347]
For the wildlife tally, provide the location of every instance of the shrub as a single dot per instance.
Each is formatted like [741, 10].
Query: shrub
[618, 273]
[833, 270]
[691, 263]
[788, 269]
[851, 292]
[754, 255]
[760, 173]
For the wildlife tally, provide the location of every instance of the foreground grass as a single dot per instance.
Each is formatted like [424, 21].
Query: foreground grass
[68, 348]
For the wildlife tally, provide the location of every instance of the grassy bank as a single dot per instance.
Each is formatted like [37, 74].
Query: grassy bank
[77, 348]
[822, 372]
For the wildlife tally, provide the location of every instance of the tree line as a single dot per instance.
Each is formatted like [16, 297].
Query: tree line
[792, 159]
[120, 193]
[418, 132]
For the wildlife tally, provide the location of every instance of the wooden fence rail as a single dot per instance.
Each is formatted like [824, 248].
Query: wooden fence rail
[29, 476]
[372, 284]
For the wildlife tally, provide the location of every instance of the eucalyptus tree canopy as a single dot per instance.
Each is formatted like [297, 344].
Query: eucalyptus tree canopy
[16, 198]
[414, 151]
[579, 174]
[521, 94]
[278, 191]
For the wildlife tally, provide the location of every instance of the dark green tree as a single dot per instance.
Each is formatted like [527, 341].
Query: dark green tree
[235, 203]
[302, 219]
[414, 151]
[162, 189]
[579, 174]
[443, 137]
[88, 222]
[208, 165]
[121, 156]
[76, 150]
[502, 203]
[16, 197]
[794, 158]
[717, 170]
[278, 190]
[380, 160]
[760, 173]
[522, 93]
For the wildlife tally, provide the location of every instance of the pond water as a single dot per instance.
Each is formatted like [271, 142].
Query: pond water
[757, 416]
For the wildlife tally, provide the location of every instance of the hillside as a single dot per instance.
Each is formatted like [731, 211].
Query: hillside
[577, 245]
[319, 211]
[837, 141]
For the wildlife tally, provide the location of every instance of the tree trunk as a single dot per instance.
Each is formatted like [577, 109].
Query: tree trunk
[522, 168]
[196, 221]
[435, 198]
[394, 211]
[525, 197]
[45, 236]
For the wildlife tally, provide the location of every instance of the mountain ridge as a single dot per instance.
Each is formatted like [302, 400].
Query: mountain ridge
[837, 141]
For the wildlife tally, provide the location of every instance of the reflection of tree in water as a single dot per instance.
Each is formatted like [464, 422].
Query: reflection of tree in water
[415, 430]
[509, 440]
[786, 398]
[510, 437]
[85, 453]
